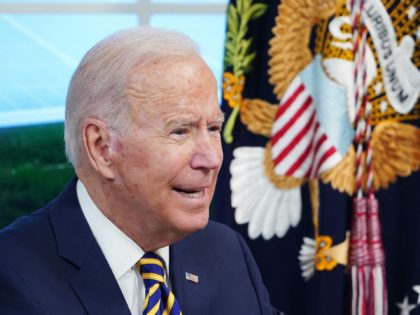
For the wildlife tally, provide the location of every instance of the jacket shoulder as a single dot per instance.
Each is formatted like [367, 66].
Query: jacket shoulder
[26, 231]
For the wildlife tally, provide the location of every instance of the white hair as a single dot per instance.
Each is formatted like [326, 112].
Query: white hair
[98, 86]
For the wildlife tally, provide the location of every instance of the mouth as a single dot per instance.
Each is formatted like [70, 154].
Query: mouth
[193, 193]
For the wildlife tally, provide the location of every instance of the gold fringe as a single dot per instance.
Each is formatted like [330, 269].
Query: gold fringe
[282, 182]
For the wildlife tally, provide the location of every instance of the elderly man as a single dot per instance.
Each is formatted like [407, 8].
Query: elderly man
[130, 234]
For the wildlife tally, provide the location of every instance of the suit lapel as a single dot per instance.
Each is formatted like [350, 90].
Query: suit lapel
[94, 282]
[96, 286]
[193, 297]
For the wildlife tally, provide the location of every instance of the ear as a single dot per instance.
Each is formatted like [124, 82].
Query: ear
[97, 143]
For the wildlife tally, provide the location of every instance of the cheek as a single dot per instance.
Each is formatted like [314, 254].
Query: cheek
[135, 155]
[133, 166]
[159, 167]
[175, 157]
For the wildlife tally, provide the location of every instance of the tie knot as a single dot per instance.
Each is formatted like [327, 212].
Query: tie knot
[151, 267]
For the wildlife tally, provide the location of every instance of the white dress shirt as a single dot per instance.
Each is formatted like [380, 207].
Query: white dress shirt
[120, 251]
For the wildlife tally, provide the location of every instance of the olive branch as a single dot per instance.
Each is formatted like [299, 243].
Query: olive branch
[237, 54]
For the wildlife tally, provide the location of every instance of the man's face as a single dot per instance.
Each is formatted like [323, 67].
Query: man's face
[168, 161]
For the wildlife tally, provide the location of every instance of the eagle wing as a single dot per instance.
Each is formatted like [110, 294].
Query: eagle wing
[396, 152]
[289, 49]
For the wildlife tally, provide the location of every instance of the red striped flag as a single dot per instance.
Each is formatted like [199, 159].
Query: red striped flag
[300, 147]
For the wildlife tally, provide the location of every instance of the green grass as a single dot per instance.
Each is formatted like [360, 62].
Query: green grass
[33, 168]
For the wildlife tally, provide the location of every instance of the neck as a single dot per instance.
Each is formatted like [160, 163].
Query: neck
[128, 220]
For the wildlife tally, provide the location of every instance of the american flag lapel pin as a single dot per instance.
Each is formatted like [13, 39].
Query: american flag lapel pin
[191, 277]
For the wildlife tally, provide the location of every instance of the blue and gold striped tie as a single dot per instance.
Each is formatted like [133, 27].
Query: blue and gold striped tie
[159, 300]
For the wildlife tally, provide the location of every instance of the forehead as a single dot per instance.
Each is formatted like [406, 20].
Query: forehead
[163, 74]
[173, 85]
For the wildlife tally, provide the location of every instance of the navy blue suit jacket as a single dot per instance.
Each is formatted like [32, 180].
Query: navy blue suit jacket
[50, 263]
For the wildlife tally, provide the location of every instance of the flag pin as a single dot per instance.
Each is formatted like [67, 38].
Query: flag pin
[191, 277]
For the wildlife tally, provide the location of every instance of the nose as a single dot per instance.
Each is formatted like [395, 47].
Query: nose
[207, 154]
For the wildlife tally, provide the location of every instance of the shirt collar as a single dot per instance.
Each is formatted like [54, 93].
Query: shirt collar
[120, 251]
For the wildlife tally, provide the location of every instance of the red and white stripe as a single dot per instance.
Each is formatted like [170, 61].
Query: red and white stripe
[300, 147]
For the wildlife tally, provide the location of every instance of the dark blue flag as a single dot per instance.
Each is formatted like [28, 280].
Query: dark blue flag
[322, 151]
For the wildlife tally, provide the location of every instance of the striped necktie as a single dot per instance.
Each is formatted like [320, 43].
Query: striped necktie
[159, 300]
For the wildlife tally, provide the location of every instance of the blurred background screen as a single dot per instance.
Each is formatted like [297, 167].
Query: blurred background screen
[41, 45]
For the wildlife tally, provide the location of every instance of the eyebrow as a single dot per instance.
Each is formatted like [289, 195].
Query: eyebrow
[192, 121]
[184, 122]
[220, 118]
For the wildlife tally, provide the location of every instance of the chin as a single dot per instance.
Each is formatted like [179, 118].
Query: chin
[193, 224]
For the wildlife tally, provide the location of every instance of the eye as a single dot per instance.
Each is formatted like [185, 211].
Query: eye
[215, 129]
[179, 132]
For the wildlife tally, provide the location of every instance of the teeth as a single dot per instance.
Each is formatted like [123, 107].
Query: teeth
[195, 194]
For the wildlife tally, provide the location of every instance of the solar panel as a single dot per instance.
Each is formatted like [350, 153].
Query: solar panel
[39, 53]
